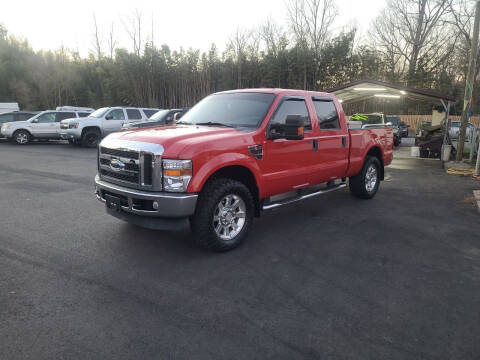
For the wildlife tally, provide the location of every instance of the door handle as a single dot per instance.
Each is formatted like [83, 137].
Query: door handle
[344, 141]
[315, 145]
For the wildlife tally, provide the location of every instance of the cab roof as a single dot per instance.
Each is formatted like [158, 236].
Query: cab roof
[278, 91]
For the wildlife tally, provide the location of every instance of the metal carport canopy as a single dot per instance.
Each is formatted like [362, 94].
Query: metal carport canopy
[366, 89]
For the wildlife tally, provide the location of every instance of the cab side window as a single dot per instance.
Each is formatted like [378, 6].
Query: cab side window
[134, 114]
[46, 118]
[327, 115]
[292, 107]
[115, 114]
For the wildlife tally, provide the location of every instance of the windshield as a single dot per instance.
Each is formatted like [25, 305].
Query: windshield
[369, 119]
[99, 113]
[159, 115]
[232, 109]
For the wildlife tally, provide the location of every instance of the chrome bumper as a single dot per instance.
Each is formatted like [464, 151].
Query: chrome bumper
[143, 203]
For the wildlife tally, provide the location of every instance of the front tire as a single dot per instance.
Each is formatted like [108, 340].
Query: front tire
[90, 139]
[223, 216]
[365, 184]
[21, 137]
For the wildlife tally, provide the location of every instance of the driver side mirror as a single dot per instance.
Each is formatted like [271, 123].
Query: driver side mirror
[293, 129]
[109, 117]
[34, 121]
[389, 123]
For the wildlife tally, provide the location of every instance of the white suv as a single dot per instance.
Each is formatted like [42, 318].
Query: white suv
[44, 126]
[89, 131]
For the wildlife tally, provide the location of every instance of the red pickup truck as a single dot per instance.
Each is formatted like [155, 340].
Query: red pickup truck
[234, 155]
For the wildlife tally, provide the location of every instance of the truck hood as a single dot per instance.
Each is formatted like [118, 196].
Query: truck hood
[176, 137]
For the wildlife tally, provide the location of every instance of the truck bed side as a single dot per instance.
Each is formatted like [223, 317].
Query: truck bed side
[362, 141]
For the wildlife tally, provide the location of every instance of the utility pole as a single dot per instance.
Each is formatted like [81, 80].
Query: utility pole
[469, 85]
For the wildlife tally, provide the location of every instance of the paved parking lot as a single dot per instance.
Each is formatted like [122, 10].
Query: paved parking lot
[397, 277]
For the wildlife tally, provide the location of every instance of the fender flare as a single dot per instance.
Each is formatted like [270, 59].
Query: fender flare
[219, 162]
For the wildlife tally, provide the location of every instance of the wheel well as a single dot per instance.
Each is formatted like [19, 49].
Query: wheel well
[245, 176]
[376, 152]
[91, 128]
[16, 131]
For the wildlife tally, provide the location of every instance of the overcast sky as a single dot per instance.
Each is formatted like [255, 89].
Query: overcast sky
[48, 24]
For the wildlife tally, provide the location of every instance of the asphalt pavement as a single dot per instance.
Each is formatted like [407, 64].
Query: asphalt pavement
[396, 277]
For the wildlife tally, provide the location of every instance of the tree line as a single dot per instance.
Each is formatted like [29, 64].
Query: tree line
[420, 43]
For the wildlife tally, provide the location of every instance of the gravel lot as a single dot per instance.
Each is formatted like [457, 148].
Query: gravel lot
[397, 277]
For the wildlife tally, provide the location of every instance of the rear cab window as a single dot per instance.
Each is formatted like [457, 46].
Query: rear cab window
[327, 114]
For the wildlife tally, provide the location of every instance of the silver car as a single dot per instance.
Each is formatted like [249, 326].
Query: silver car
[454, 130]
[44, 126]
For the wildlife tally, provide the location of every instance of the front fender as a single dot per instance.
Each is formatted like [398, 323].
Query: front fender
[203, 171]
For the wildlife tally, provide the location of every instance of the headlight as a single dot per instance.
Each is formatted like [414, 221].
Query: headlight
[6, 126]
[176, 175]
[73, 126]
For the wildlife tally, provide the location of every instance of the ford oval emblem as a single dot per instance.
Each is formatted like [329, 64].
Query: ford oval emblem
[116, 165]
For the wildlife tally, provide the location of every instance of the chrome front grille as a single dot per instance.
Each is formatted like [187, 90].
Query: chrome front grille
[131, 164]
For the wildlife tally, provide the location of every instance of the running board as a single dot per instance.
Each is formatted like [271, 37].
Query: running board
[303, 197]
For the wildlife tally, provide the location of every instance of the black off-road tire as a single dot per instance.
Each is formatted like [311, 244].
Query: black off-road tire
[201, 222]
[21, 134]
[358, 182]
[91, 138]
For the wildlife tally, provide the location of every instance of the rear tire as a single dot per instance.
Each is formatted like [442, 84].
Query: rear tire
[90, 138]
[22, 137]
[223, 216]
[365, 184]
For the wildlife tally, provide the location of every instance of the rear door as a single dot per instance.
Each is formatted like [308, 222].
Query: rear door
[331, 160]
[113, 121]
[287, 163]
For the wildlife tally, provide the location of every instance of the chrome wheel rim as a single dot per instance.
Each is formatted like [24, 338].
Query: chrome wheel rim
[371, 178]
[229, 217]
[22, 138]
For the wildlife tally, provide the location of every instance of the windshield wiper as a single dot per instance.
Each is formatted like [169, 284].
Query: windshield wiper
[210, 123]
[184, 123]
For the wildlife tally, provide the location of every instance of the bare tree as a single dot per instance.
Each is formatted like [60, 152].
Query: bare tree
[416, 31]
[112, 42]
[238, 45]
[97, 40]
[311, 22]
[133, 27]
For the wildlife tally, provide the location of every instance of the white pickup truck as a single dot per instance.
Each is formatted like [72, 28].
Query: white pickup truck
[90, 130]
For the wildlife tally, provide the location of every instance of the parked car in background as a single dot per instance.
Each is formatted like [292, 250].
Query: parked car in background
[160, 118]
[8, 107]
[75, 108]
[42, 126]
[90, 130]
[235, 154]
[15, 116]
[454, 130]
[399, 124]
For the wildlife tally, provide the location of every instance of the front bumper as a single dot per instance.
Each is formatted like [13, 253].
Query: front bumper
[148, 209]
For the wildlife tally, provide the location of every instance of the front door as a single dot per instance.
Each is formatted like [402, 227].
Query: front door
[287, 163]
[44, 125]
[113, 121]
